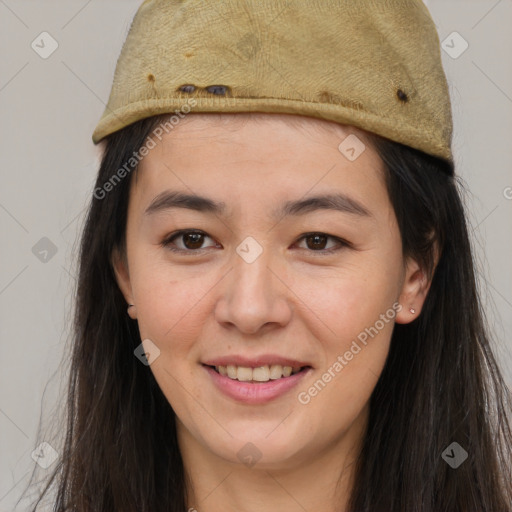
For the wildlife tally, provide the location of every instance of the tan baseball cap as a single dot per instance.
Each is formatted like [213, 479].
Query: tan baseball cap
[374, 64]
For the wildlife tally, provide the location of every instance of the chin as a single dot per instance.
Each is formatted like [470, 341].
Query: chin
[259, 450]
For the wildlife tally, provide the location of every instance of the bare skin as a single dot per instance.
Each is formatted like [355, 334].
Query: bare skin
[303, 297]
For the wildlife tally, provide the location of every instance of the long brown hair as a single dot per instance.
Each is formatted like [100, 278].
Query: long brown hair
[440, 385]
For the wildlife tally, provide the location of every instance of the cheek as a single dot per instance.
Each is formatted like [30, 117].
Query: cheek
[349, 300]
[171, 313]
[353, 360]
[169, 309]
[355, 311]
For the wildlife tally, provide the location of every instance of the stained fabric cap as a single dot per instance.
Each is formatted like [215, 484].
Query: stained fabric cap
[374, 64]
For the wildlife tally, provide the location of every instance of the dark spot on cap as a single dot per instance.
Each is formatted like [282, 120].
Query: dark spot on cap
[217, 89]
[187, 88]
[151, 77]
[402, 96]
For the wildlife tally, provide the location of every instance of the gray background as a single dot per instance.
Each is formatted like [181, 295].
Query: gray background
[48, 110]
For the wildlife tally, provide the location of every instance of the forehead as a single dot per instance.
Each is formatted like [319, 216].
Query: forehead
[259, 154]
[202, 125]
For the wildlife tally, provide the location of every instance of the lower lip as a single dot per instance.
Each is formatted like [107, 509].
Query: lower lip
[255, 392]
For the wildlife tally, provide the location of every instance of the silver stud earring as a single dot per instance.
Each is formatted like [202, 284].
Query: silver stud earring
[412, 310]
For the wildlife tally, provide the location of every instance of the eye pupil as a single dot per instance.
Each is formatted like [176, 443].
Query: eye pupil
[197, 240]
[316, 243]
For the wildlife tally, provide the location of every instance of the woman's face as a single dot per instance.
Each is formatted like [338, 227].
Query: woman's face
[296, 261]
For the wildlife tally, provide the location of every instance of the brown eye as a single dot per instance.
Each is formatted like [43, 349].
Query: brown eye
[316, 241]
[193, 240]
[186, 241]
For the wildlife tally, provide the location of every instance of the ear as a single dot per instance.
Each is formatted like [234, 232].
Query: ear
[414, 292]
[120, 266]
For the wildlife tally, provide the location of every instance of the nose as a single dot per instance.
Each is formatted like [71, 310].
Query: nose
[254, 295]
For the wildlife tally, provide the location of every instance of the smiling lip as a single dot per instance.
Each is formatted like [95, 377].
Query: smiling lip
[266, 359]
[255, 392]
[250, 392]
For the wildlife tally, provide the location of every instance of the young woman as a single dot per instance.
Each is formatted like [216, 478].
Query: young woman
[276, 305]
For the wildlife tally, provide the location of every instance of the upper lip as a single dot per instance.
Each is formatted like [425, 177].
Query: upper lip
[254, 362]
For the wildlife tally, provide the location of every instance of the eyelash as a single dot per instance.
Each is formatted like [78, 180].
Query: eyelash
[166, 243]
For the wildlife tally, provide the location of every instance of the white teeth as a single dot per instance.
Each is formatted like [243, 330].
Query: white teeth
[243, 373]
[276, 371]
[259, 374]
[231, 371]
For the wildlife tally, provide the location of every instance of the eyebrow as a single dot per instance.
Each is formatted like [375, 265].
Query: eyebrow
[338, 202]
